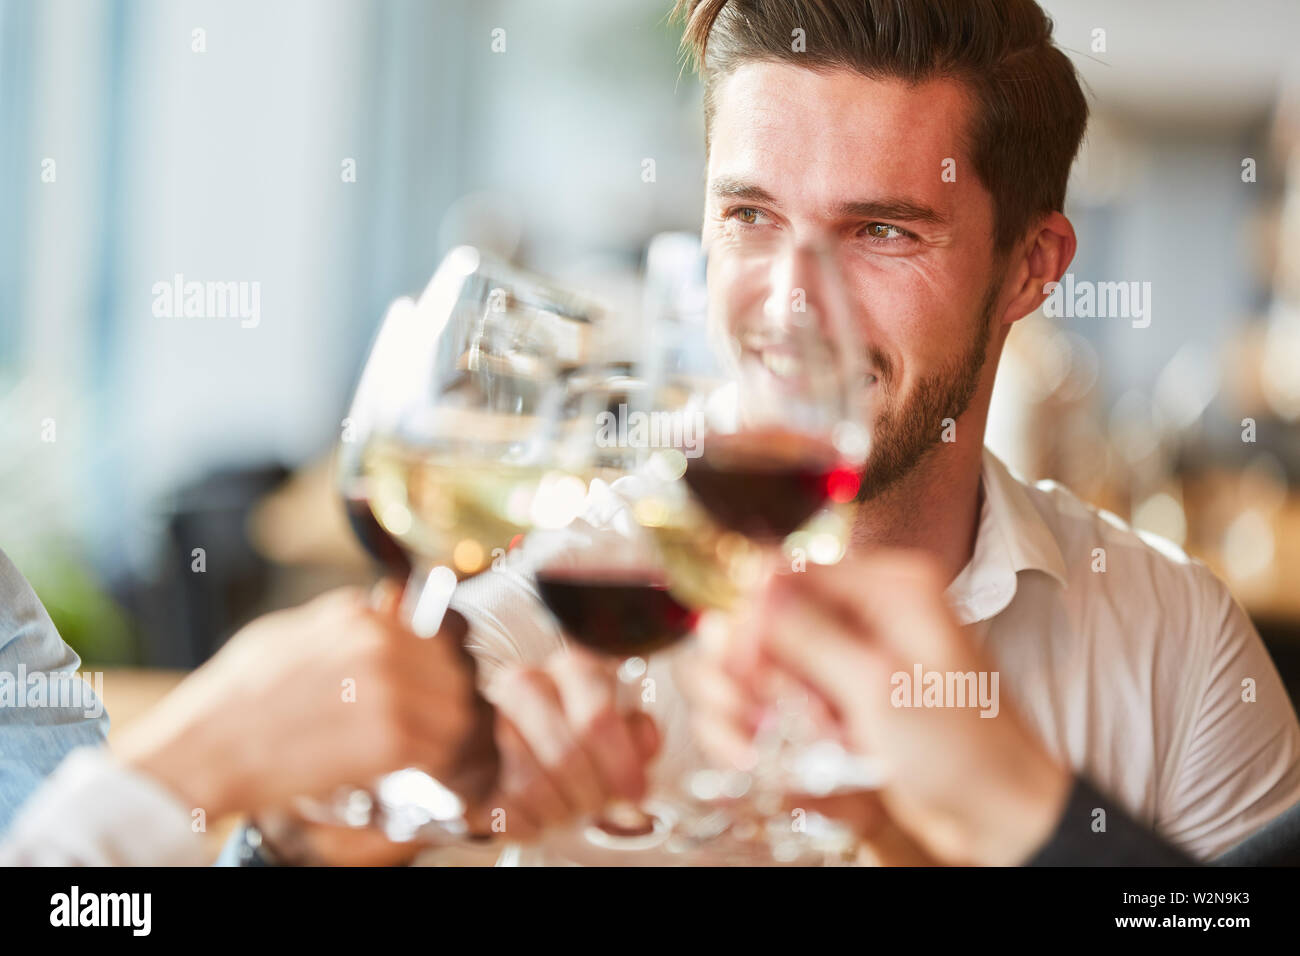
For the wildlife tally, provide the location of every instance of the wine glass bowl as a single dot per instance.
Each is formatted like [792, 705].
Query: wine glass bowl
[771, 383]
[446, 461]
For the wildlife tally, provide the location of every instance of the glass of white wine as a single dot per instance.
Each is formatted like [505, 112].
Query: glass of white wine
[446, 462]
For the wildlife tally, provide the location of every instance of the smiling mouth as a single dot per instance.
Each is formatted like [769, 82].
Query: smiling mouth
[780, 363]
[786, 365]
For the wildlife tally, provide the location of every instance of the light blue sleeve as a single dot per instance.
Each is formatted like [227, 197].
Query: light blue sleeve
[43, 715]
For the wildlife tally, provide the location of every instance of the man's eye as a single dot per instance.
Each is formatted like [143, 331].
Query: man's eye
[883, 231]
[746, 214]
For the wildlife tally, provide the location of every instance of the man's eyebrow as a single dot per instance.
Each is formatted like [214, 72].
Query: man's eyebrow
[892, 209]
[902, 210]
[725, 187]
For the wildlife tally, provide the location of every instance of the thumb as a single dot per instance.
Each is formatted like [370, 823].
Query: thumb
[386, 597]
[898, 598]
[645, 735]
[806, 639]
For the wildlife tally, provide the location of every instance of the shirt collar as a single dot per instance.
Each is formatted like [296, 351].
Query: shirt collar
[1012, 537]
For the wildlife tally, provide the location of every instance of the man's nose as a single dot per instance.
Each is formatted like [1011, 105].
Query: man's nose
[798, 290]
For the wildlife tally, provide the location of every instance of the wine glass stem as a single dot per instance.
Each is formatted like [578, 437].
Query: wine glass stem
[773, 742]
[425, 600]
[625, 815]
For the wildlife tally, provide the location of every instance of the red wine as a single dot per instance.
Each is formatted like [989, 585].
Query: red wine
[382, 546]
[766, 485]
[625, 614]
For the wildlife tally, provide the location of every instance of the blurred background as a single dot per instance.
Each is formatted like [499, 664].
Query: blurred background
[333, 150]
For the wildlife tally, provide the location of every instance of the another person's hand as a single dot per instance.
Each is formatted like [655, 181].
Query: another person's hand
[302, 701]
[966, 788]
[565, 752]
[730, 686]
[566, 749]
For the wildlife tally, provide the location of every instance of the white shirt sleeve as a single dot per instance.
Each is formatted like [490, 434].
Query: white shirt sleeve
[94, 811]
[1240, 766]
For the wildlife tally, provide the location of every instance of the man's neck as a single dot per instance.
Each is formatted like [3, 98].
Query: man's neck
[935, 508]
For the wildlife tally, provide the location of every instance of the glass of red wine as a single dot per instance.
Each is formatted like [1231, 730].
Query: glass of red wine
[759, 377]
[606, 586]
[765, 366]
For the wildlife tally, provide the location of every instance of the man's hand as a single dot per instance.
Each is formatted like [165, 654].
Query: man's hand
[966, 788]
[717, 676]
[565, 752]
[730, 684]
[305, 700]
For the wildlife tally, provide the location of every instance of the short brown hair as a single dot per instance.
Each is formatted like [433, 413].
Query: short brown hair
[1030, 111]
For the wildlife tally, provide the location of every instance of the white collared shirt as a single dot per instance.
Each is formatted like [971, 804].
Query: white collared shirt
[1131, 661]
[1146, 676]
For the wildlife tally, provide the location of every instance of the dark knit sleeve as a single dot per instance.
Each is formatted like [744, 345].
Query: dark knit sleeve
[1086, 837]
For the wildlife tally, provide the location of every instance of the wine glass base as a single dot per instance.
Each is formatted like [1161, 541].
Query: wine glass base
[659, 822]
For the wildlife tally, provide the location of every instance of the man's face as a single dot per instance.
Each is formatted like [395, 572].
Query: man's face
[858, 164]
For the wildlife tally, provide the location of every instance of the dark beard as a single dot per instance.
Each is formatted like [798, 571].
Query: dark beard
[901, 437]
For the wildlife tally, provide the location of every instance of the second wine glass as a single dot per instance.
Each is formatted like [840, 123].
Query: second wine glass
[446, 462]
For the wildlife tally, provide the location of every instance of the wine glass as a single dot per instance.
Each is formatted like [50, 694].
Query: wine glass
[769, 369]
[605, 585]
[766, 374]
[445, 463]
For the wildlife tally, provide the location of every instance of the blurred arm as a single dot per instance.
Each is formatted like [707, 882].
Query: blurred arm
[96, 811]
[43, 716]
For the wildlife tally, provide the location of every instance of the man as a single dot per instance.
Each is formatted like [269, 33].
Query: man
[42, 714]
[929, 142]
[933, 141]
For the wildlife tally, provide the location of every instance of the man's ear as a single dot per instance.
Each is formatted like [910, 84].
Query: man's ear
[1045, 257]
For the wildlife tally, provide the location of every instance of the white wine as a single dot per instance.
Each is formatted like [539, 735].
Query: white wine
[707, 565]
[462, 512]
